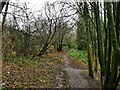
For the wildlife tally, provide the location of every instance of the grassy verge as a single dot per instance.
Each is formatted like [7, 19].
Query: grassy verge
[78, 55]
[24, 72]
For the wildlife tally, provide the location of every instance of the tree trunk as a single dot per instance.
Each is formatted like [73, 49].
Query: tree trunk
[114, 75]
[99, 40]
[88, 39]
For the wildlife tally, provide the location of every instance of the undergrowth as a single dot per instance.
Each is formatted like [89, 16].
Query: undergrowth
[27, 72]
[78, 55]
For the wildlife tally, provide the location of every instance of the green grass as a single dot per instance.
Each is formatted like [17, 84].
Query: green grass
[78, 55]
[23, 60]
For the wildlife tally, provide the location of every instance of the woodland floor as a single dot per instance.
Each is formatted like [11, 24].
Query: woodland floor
[53, 70]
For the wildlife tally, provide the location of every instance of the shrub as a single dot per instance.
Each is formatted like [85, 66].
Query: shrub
[79, 55]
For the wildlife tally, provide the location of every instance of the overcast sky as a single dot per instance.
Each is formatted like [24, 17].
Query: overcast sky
[35, 4]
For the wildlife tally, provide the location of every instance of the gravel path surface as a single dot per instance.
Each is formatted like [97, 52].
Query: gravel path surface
[76, 77]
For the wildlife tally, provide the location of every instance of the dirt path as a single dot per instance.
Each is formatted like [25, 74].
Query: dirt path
[76, 77]
[0, 69]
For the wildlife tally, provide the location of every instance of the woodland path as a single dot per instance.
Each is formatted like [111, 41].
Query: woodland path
[76, 76]
[0, 72]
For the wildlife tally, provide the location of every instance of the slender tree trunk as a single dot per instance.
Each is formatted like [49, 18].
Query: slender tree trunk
[114, 75]
[88, 39]
[2, 4]
[117, 25]
[99, 39]
[4, 15]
